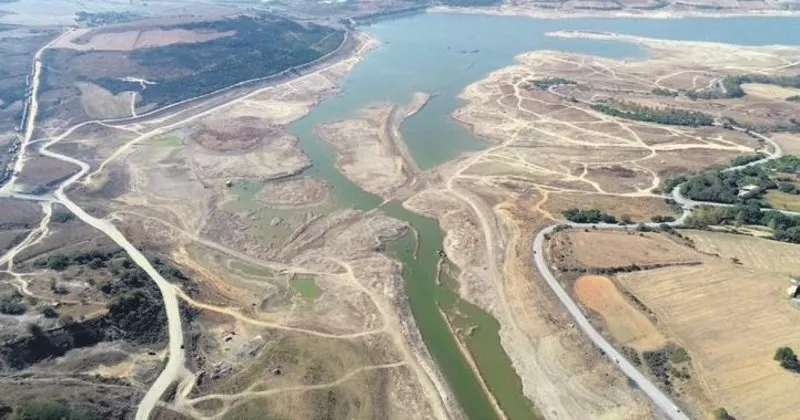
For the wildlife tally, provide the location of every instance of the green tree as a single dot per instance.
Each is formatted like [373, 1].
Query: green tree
[722, 414]
[787, 358]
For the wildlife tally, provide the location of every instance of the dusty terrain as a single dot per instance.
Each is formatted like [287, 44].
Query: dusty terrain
[607, 249]
[554, 150]
[731, 318]
[729, 311]
[371, 151]
[215, 189]
[627, 325]
[98, 40]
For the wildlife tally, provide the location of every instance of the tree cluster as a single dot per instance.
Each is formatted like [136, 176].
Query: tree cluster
[588, 216]
[785, 228]
[667, 116]
[93, 19]
[261, 46]
[664, 92]
[732, 85]
[723, 186]
[12, 304]
[547, 82]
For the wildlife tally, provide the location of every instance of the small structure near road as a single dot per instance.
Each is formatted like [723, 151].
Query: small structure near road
[749, 191]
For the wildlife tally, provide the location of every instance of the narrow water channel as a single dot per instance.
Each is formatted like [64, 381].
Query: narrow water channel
[441, 54]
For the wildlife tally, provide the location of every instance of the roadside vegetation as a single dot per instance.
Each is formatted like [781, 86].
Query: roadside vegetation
[666, 115]
[785, 228]
[588, 216]
[724, 186]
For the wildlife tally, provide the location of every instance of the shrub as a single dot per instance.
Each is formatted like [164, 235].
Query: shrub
[787, 358]
[722, 414]
[679, 355]
[12, 305]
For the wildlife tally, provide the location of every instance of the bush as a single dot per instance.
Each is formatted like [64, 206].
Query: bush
[662, 219]
[57, 262]
[722, 414]
[50, 410]
[787, 187]
[48, 311]
[12, 305]
[679, 355]
[588, 216]
[787, 359]
[62, 217]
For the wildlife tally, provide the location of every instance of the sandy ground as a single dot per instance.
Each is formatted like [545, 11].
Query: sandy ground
[99, 103]
[539, 339]
[362, 155]
[603, 249]
[628, 326]
[371, 151]
[176, 195]
[551, 150]
[99, 40]
[769, 91]
[731, 335]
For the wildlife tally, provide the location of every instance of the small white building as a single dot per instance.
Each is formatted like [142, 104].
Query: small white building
[749, 190]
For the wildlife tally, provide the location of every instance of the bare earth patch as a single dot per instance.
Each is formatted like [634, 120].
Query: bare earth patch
[605, 249]
[291, 193]
[628, 326]
[99, 40]
[363, 156]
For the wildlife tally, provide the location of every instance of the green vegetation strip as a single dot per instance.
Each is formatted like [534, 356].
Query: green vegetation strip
[667, 116]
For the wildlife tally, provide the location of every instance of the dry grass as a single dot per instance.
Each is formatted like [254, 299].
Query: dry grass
[769, 91]
[753, 253]
[790, 143]
[86, 40]
[638, 208]
[782, 201]
[628, 326]
[602, 249]
[731, 318]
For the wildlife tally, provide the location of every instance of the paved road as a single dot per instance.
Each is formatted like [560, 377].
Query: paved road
[659, 399]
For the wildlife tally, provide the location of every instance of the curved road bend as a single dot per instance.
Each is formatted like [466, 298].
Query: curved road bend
[175, 364]
[659, 398]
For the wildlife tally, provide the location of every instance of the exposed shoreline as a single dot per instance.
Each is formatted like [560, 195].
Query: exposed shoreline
[613, 14]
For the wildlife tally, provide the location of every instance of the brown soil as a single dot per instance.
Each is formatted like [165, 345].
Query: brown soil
[100, 40]
[291, 193]
[638, 209]
[628, 326]
[239, 135]
[607, 249]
